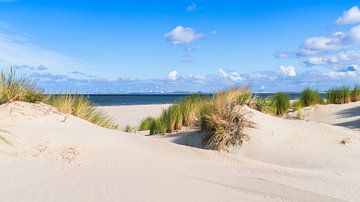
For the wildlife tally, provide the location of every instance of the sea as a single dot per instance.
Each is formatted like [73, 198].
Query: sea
[142, 99]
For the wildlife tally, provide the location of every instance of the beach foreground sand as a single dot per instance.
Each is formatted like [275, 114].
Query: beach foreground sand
[57, 157]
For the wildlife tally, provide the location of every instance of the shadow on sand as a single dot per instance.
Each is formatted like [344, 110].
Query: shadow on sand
[188, 138]
[348, 113]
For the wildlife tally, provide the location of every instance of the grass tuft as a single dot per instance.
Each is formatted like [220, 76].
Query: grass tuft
[355, 94]
[129, 129]
[146, 124]
[13, 88]
[338, 95]
[184, 112]
[224, 119]
[81, 107]
[309, 97]
[296, 104]
[280, 103]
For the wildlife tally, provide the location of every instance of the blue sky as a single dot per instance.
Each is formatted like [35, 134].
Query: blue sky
[165, 46]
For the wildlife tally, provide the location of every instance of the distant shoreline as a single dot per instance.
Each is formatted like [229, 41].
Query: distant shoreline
[153, 99]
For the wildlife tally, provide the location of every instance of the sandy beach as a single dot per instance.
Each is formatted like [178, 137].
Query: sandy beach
[134, 113]
[57, 157]
[262, 101]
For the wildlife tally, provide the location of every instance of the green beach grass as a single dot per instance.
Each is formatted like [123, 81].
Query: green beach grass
[224, 120]
[280, 103]
[338, 95]
[81, 107]
[220, 117]
[309, 97]
[355, 94]
[13, 88]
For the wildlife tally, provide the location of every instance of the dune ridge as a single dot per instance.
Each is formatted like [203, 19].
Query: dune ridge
[58, 157]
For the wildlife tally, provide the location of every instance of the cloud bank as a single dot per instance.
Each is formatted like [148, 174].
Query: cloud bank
[285, 78]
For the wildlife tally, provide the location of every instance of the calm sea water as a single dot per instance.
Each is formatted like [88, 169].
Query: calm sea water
[136, 99]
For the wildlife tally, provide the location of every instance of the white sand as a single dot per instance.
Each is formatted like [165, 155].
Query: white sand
[58, 159]
[133, 114]
[347, 115]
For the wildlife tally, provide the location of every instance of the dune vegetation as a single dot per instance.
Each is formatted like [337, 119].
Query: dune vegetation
[80, 106]
[224, 119]
[221, 117]
[185, 112]
[309, 97]
[13, 88]
[355, 94]
[280, 103]
[18, 89]
[262, 104]
[339, 95]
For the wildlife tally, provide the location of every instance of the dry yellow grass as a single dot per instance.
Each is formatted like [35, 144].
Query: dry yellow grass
[224, 119]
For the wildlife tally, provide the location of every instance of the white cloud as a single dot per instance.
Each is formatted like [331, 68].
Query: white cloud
[183, 35]
[272, 81]
[320, 60]
[342, 58]
[282, 54]
[350, 71]
[287, 70]
[335, 42]
[318, 44]
[230, 75]
[355, 34]
[172, 75]
[350, 16]
[222, 73]
[191, 7]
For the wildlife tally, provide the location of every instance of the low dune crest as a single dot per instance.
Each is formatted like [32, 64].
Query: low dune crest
[58, 157]
[346, 115]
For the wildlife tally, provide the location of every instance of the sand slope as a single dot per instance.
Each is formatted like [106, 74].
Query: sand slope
[347, 115]
[59, 158]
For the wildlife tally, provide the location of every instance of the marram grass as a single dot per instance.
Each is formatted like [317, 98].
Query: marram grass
[309, 97]
[129, 129]
[183, 113]
[355, 94]
[81, 107]
[224, 119]
[338, 95]
[146, 124]
[280, 103]
[221, 117]
[13, 88]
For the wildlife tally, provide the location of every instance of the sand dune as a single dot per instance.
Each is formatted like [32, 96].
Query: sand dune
[134, 113]
[347, 115]
[54, 157]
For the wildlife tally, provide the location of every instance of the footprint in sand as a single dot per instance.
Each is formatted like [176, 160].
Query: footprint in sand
[69, 154]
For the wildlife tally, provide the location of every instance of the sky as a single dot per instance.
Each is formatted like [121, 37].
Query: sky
[108, 46]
